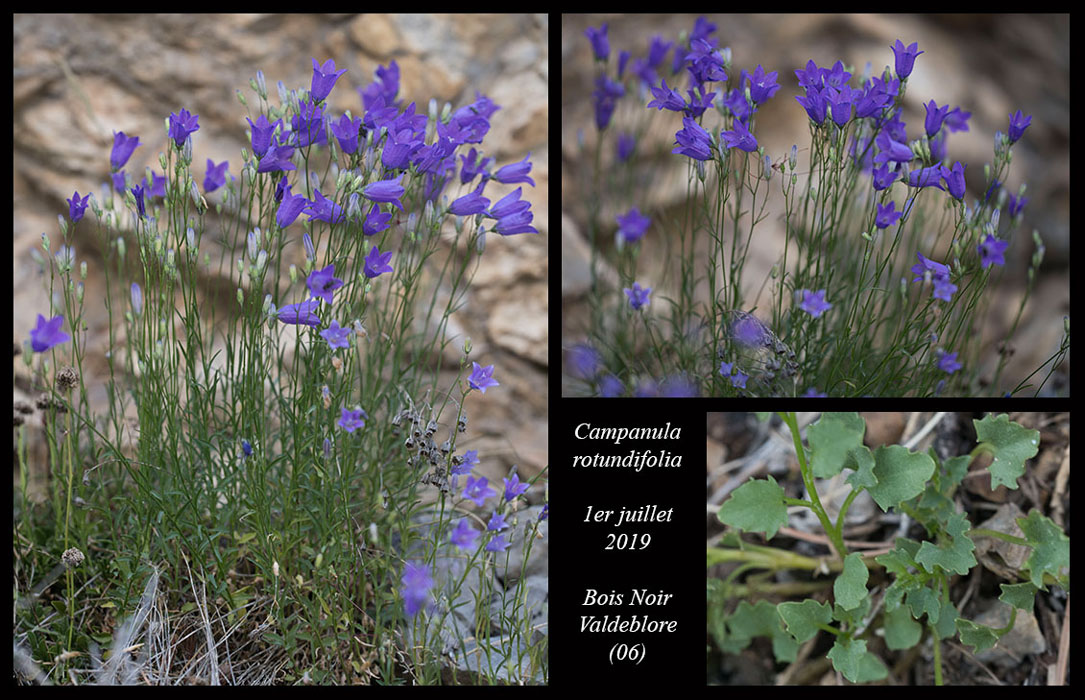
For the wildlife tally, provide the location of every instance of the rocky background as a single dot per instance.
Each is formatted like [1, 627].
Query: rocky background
[990, 65]
[77, 79]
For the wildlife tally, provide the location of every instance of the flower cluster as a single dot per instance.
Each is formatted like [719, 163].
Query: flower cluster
[376, 188]
[832, 294]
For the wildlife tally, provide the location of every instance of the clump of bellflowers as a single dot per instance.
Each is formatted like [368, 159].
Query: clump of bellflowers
[274, 321]
[889, 266]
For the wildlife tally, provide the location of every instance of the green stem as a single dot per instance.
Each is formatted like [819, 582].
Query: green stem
[808, 479]
[985, 532]
[937, 656]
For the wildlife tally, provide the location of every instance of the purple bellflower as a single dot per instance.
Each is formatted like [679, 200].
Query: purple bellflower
[1015, 204]
[638, 296]
[123, 146]
[324, 77]
[739, 138]
[496, 523]
[514, 488]
[141, 208]
[322, 283]
[762, 85]
[470, 461]
[262, 132]
[464, 536]
[336, 336]
[399, 147]
[600, 44]
[1018, 124]
[472, 203]
[48, 334]
[376, 263]
[814, 103]
[605, 98]
[954, 179]
[385, 191]
[351, 420]
[417, 582]
[515, 172]
[290, 208]
[216, 175]
[667, 98]
[481, 378]
[77, 206]
[693, 141]
[277, 158]
[303, 314]
[991, 250]
[182, 125]
[935, 116]
[478, 490]
[947, 362]
[324, 209]
[813, 303]
[905, 57]
[375, 221]
[887, 215]
[632, 226]
[345, 130]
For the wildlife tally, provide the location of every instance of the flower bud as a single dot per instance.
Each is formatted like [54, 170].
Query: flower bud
[137, 299]
[240, 296]
[241, 97]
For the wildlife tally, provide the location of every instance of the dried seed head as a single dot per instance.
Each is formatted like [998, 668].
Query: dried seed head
[72, 558]
[67, 379]
[45, 402]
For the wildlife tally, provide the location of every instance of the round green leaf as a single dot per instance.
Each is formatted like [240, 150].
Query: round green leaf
[850, 586]
[802, 619]
[1050, 549]
[756, 506]
[1010, 445]
[901, 475]
[831, 438]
